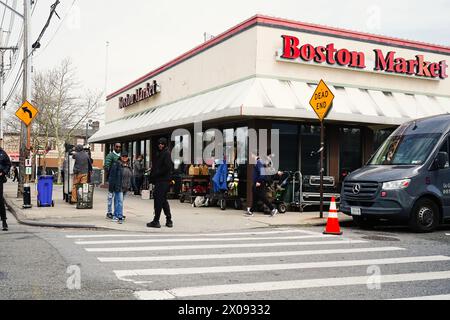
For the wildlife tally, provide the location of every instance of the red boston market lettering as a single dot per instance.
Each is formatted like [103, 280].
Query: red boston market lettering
[418, 66]
[293, 50]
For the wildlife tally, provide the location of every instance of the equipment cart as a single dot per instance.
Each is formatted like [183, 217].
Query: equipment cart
[194, 186]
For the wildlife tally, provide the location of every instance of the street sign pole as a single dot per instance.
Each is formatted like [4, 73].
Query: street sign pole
[322, 149]
[322, 102]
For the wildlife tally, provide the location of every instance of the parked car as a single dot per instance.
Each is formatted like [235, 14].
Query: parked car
[406, 180]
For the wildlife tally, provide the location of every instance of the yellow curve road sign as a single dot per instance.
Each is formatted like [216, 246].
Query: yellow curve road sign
[322, 100]
[27, 113]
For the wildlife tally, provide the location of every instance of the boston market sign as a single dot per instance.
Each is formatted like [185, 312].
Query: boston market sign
[151, 89]
[294, 50]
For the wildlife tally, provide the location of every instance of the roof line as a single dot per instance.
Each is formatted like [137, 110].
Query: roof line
[278, 22]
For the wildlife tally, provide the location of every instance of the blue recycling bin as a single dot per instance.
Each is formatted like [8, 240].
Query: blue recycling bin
[45, 192]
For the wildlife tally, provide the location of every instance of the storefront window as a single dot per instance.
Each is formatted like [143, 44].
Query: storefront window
[350, 143]
[135, 151]
[148, 154]
[229, 145]
[288, 146]
[242, 145]
[310, 144]
[142, 149]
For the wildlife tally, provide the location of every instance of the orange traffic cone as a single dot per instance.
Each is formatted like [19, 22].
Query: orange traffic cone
[333, 221]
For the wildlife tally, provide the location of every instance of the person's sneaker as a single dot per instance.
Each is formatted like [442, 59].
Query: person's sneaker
[115, 219]
[154, 224]
[274, 212]
[120, 221]
[5, 226]
[109, 216]
[169, 224]
[249, 213]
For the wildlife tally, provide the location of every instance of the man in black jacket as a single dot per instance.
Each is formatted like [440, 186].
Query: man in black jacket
[160, 177]
[5, 166]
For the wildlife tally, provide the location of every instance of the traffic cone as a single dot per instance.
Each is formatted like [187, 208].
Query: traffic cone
[333, 221]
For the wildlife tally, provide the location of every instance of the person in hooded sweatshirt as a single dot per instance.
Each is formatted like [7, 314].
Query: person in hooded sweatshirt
[160, 177]
[80, 169]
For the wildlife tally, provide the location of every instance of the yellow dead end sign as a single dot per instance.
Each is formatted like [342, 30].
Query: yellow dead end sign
[322, 100]
[27, 113]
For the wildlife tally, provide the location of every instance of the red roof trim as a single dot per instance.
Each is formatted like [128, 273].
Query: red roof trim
[265, 20]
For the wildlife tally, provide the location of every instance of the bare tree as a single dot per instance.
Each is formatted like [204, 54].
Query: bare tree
[62, 110]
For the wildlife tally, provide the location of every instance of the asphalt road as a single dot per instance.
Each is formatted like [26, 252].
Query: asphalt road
[262, 264]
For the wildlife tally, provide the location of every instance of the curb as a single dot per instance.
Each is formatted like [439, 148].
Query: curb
[17, 213]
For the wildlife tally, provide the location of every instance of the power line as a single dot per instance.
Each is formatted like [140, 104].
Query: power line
[60, 25]
[15, 84]
[3, 17]
[37, 44]
[34, 8]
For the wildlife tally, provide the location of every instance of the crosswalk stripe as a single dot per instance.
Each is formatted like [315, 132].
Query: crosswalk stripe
[286, 285]
[199, 240]
[247, 255]
[272, 267]
[438, 297]
[159, 235]
[447, 234]
[224, 246]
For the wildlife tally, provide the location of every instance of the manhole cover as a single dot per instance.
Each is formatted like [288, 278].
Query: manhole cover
[380, 238]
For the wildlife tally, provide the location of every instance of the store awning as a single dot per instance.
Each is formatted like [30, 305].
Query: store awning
[273, 98]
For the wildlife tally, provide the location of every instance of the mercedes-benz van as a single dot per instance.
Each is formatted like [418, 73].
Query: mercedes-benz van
[406, 180]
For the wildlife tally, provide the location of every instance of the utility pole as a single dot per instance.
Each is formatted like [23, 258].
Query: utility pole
[26, 95]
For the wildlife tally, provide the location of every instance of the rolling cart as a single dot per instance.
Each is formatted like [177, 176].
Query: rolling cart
[194, 186]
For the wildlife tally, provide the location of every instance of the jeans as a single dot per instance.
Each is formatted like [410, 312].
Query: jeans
[161, 203]
[118, 205]
[110, 202]
[78, 179]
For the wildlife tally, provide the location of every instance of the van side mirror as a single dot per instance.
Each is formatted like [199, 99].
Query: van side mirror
[441, 160]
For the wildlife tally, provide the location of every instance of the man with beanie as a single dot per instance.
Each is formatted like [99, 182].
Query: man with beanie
[160, 177]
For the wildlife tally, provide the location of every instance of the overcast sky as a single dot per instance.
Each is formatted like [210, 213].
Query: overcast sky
[144, 34]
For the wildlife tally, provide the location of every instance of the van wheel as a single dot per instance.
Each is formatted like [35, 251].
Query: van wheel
[364, 223]
[424, 216]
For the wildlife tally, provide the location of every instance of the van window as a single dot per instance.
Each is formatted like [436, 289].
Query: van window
[413, 149]
[446, 148]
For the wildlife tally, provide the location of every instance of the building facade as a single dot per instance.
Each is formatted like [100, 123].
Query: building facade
[262, 73]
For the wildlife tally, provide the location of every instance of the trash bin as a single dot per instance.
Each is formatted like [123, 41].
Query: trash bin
[85, 196]
[45, 192]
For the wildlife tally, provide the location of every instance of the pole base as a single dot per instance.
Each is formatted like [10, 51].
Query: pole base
[334, 233]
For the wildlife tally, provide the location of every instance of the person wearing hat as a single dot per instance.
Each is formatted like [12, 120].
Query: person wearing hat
[160, 177]
[119, 183]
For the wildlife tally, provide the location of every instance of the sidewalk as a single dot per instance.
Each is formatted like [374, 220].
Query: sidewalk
[139, 212]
